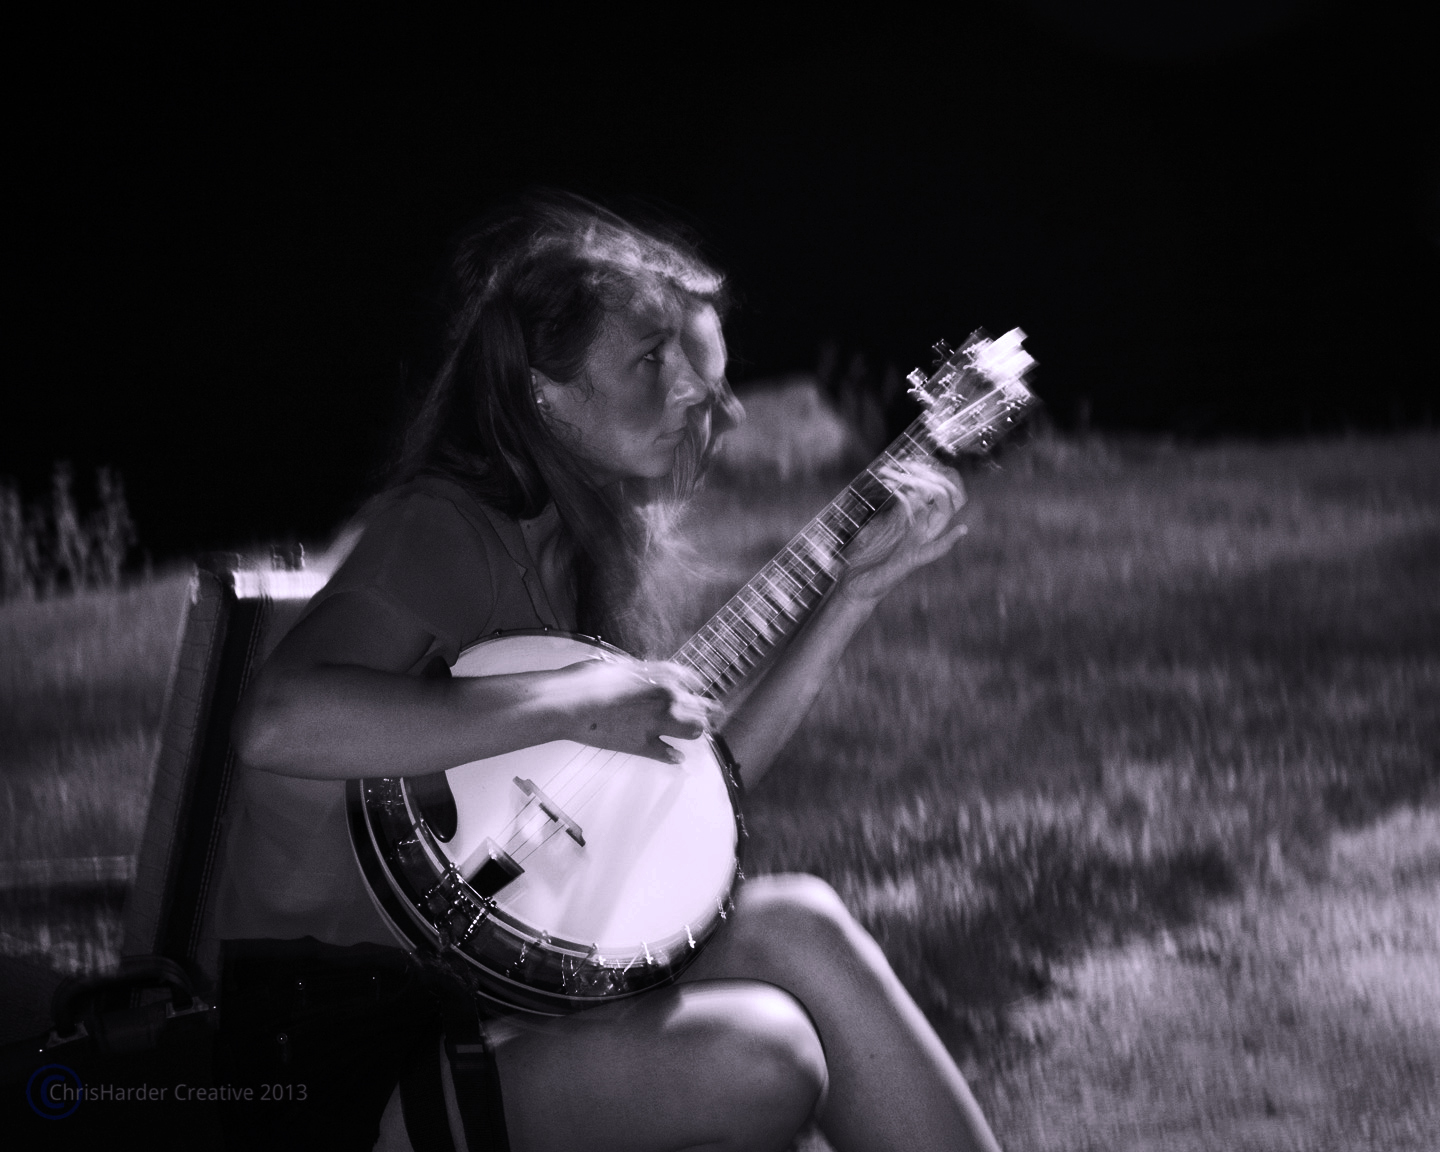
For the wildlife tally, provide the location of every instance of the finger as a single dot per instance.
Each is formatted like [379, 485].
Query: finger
[657, 749]
[925, 503]
[686, 730]
[924, 482]
[943, 498]
[942, 544]
[691, 719]
[944, 484]
[687, 705]
[673, 675]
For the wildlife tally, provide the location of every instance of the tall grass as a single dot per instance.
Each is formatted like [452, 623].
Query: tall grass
[48, 546]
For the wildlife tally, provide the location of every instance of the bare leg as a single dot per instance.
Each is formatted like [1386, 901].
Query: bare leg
[892, 1084]
[721, 1065]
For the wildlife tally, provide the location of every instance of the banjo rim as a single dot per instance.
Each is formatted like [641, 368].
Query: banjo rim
[567, 975]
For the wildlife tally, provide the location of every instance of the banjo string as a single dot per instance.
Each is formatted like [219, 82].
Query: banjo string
[563, 795]
[522, 817]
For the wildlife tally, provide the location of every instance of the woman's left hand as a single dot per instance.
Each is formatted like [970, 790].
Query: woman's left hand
[914, 529]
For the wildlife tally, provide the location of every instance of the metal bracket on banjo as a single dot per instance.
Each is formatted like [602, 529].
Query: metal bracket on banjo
[497, 871]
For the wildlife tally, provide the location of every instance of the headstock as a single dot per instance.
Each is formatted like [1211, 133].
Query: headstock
[977, 394]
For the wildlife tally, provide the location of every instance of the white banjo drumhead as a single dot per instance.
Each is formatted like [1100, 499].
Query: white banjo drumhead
[659, 839]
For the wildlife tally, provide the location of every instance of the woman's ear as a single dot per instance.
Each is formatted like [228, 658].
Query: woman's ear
[545, 391]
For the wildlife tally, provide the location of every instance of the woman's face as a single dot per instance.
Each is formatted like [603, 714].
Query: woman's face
[653, 370]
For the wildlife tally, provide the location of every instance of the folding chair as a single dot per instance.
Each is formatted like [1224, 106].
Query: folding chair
[150, 1024]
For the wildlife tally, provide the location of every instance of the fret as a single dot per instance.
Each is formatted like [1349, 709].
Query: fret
[839, 543]
[784, 597]
[734, 654]
[749, 653]
[856, 493]
[721, 654]
[781, 608]
[732, 649]
[803, 549]
[720, 686]
[876, 485]
[770, 613]
[798, 588]
[797, 564]
[913, 446]
[744, 605]
[755, 617]
[803, 577]
[859, 508]
[731, 643]
[771, 635]
[854, 524]
[818, 580]
[737, 626]
[821, 556]
[683, 657]
[711, 666]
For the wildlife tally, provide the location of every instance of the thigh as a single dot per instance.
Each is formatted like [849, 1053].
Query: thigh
[718, 1063]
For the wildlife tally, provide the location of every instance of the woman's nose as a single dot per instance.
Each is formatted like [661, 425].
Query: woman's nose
[688, 388]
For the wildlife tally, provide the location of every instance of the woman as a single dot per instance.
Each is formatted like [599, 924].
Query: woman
[582, 385]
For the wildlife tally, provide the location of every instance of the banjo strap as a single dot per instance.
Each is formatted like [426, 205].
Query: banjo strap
[476, 1097]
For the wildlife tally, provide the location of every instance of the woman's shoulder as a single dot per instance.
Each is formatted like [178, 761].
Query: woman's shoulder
[433, 497]
[430, 527]
[428, 548]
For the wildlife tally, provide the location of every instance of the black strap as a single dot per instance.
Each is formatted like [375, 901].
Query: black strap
[476, 1079]
[422, 1099]
[477, 1091]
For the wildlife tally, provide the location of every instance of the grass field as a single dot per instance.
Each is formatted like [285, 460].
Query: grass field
[1138, 790]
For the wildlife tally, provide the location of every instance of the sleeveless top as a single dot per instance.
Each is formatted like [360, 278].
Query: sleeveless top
[461, 571]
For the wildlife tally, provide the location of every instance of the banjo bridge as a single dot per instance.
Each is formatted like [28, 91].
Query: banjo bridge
[551, 809]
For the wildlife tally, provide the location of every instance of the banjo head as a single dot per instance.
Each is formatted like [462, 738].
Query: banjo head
[574, 874]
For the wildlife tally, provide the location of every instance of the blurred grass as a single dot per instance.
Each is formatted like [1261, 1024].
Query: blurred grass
[1147, 675]
[82, 683]
[1301, 1015]
[1087, 780]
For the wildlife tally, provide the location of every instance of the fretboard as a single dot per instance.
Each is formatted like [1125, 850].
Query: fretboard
[972, 400]
[775, 603]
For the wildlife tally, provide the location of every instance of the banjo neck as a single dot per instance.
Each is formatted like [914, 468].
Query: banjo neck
[775, 603]
[974, 397]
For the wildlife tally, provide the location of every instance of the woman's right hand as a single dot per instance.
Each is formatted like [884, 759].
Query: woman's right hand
[628, 705]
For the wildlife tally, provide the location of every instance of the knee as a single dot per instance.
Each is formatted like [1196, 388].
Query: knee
[773, 1035]
[801, 909]
[764, 1053]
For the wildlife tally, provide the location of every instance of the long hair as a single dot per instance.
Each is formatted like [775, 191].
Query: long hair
[530, 288]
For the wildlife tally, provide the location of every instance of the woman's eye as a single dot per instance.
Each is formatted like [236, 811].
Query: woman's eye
[654, 356]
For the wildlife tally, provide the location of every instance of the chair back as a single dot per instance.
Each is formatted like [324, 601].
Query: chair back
[235, 618]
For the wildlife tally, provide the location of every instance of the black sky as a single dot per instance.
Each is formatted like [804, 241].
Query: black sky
[224, 235]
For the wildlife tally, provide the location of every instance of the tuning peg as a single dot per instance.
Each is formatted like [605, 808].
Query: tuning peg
[918, 387]
[943, 351]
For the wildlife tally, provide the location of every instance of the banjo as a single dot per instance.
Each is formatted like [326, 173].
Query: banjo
[561, 876]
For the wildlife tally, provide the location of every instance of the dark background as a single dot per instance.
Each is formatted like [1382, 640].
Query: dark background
[1219, 219]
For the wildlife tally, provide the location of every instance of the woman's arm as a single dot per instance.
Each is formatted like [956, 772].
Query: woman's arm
[334, 702]
[916, 529]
